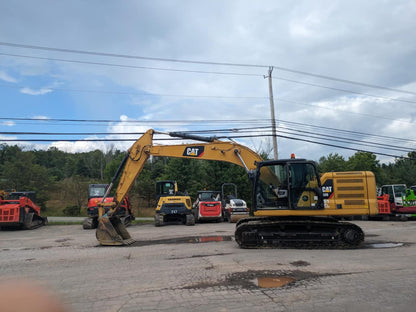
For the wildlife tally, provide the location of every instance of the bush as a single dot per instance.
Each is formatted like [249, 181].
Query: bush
[71, 211]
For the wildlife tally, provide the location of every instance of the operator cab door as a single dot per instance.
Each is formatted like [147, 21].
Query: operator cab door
[165, 188]
[287, 185]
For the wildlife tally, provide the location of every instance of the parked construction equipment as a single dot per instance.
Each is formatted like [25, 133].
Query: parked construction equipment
[95, 195]
[18, 210]
[233, 207]
[172, 205]
[288, 201]
[5, 193]
[207, 206]
[396, 202]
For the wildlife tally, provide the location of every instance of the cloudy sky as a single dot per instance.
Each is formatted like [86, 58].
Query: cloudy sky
[343, 72]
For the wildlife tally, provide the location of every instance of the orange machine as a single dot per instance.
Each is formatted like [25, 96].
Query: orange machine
[20, 211]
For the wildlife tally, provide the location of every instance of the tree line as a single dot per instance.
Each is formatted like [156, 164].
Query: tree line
[61, 179]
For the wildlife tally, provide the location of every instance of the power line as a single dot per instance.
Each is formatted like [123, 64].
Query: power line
[346, 131]
[235, 131]
[187, 71]
[343, 90]
[347, 140]
[26, 46]
[261, 122]
[234, 137]
[337, 146]
[239, 130]
[146, 94]
[295, 134]
[341, 110]
[132, 121]
[133, 66]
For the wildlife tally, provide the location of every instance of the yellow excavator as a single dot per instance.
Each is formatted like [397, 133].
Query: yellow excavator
[290, 205]
[171, 205]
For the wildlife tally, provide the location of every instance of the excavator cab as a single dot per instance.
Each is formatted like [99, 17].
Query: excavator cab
[287, 185]
[166, 188]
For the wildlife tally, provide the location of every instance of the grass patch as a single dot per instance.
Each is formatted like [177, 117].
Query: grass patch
[134, 222]
[64, 223]
[59, 212]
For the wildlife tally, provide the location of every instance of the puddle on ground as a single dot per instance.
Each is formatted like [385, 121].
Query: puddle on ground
[273, 282]
[385, 245]
[261, 279]
[228, 238]
[184, 240]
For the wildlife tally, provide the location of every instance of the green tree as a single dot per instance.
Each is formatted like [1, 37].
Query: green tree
[185, 172]
[23, 174]
[333, 162]
[75, 191]
[404, 170]
[364, 161]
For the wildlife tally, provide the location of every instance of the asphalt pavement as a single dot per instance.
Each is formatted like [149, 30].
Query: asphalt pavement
[201, 267]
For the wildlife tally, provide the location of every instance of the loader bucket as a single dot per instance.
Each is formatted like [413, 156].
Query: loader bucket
[111, 231]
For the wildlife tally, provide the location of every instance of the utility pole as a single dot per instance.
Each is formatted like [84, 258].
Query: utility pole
[272, 113]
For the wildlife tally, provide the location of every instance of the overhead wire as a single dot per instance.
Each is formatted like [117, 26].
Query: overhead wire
[228, 137]
[215, 96]
[188, 71]
[132, 66]
[236, 133]
[95, 53]
[344, 90]
[282, 124]
[333, 138]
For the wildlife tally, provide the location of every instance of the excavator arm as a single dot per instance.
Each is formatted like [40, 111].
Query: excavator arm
[110, 230]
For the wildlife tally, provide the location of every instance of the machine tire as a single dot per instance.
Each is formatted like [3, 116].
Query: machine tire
[159, 220]
[190, 219]
[27, 223]
[196, 215]
[90, 223]
[126, 220]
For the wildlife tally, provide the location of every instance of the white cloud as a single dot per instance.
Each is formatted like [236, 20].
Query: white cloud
[3, 137]
[6, 77]
[41, 117]
[78, 146]
[8, 123]
[346, 40]
[30, 91]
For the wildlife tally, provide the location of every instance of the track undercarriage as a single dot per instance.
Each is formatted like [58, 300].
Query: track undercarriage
[297, 232]
[33, 221]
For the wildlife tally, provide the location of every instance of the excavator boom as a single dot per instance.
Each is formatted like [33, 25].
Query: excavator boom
[110, 230]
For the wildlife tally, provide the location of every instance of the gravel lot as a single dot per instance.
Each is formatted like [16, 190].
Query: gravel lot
[201, 267]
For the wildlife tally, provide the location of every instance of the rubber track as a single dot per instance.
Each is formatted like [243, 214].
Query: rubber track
[88, 224]
[298, 232]
[35, 223]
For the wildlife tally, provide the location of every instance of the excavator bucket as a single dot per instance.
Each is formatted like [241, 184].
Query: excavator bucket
[111, 231]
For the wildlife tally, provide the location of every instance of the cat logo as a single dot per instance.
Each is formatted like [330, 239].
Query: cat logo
[328, 189]
[194, 151]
